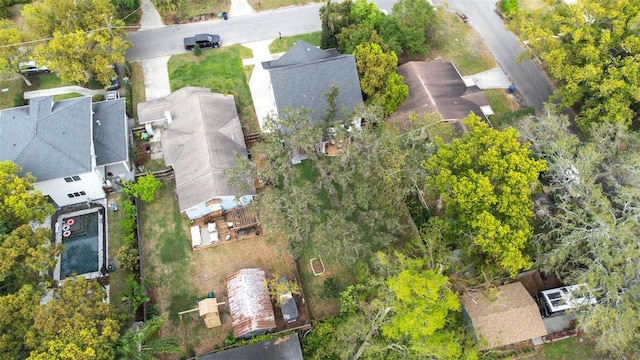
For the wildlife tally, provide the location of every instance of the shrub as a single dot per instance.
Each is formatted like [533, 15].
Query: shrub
[18, 100]
[196, 50]
[145, 187]
[331, 288]
[128, 225]
[128, 257]
[509, 8]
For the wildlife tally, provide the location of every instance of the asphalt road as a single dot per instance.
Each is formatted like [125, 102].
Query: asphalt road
[527, 75]
[262, 25]
[242, 29]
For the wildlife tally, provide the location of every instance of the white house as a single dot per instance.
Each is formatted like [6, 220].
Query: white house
[202, 138]
[72, 147]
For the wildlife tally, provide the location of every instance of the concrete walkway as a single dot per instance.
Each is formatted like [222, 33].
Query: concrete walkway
[150, 17]
[240, 8]
[260, 82]
[60, 91]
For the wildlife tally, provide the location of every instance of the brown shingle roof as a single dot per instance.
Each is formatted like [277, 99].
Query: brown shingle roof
[249, 302]
[510, 316]
[437, 87]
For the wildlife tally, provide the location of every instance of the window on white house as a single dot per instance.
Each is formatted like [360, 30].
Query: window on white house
[72, 178]
[76, 194]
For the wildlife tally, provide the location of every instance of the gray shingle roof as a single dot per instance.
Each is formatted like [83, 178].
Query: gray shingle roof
[305, 73]
[110, 132]
[200, 143]
[282, 348]
[437, 86]
[50, 140]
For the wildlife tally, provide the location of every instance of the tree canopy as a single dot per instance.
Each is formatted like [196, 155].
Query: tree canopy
[483, 181]
[9, 55]
[350, 201]
[85, 37]
[589, 233]
[75, 324]
[19, 202]
[401, 310]
[592, 49]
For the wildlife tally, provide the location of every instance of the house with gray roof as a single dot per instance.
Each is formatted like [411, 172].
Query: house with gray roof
[305, 73]
[73, 147]
[201, 138]
[286, 347]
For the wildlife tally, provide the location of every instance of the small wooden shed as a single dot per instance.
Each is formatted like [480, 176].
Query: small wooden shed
[508, 316]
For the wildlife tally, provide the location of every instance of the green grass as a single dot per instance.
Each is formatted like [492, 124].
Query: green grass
[14, 87]
[45, 81]
[117, 277]
[569, 349]
[66, 96]
[164, 227]
[220, 70]
[282, 45]
[457, 42]
[259, 5]
[137, 86]
[245, 52]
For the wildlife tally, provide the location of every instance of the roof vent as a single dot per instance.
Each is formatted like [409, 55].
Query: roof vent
[167, 115]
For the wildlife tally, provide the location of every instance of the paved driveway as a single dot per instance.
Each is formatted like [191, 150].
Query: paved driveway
[527, 75]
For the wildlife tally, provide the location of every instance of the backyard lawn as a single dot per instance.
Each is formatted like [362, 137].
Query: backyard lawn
[181, 276]
[221, 71]
[116, 240]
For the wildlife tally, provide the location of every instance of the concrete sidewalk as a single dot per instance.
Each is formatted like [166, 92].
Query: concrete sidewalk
[60, 91]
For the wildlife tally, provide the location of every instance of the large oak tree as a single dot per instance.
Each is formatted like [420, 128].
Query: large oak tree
[483, 182]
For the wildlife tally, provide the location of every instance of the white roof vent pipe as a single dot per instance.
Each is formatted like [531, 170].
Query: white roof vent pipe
[167, 115]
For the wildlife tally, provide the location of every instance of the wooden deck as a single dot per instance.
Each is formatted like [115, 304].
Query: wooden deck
[245, 225]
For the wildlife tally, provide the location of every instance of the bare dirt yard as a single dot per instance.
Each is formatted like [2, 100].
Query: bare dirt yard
[182, 276]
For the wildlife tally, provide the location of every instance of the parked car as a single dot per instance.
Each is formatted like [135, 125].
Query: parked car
[203, 40]
[111, 95]
[554, 302]
[31, 67]
[115, 81]
[289, 308]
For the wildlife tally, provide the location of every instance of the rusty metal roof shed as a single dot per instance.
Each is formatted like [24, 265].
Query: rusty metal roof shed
[249, 303]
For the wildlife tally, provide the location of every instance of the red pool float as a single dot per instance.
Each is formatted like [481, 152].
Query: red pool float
[70, 221]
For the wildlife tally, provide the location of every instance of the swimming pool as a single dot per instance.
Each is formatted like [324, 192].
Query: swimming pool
[82, 234]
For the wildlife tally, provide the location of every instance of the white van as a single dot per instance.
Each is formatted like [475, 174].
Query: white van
[557, 301]
[30, 67]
